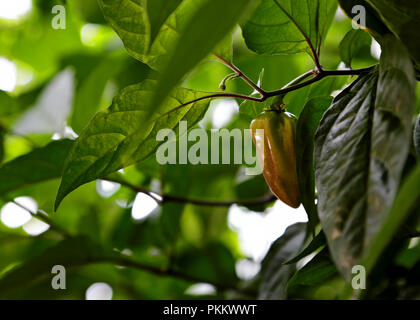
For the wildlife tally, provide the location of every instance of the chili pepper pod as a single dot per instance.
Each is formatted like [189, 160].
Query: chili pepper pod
[275, 145]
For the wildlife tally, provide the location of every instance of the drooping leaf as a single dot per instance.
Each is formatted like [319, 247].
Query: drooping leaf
[275, 275]
[305, 133]
[130, 20]
[352, 43]
[317, 242]
[158, 11]
[360, 150]
[212, 21]
[315, 272]
[121, 135]
[288, 26]
[38, 165]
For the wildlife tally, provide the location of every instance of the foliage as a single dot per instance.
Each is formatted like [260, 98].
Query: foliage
[121, 70]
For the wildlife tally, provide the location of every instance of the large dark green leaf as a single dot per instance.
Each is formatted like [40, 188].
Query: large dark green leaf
[129, 19]
[288, 26]
[121, 135]
[38, 165]
[352, 43]
[360, 149]
[207, 27]
[275, 275]
[305, 133]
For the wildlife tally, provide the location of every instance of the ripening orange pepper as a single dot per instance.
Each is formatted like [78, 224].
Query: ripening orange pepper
[275, 146]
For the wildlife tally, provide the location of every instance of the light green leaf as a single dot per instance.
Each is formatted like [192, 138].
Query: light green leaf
[207, 27]
[158, 11]
[360, 150]
[38, 165]
[89, 93]
[288, 26]
[129, 19]
[121, 135]
[352, 43]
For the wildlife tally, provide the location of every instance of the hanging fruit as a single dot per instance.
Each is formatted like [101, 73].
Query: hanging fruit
[275, 145]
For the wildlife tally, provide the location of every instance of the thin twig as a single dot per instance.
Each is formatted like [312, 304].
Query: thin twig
[40, 215]
[163, 198]
[241, 75]
[319, 76]
[125, 262]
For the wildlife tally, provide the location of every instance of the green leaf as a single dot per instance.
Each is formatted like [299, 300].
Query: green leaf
[305, 133]
[274, 275]
[288, 26]
[191, 49]
[129, 19]
[158, 11]
[90, 91]
[374, 25]
[409, 257]
[416, 136]
[38, 165]
[408, 196]
[315, 272]
[360, 150]
[352, 43]
[317, 242]
[213, 263]
[253, 188]
[121, 135]
[68, 253]
[403, 19]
